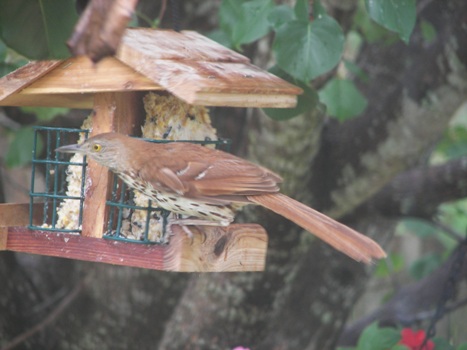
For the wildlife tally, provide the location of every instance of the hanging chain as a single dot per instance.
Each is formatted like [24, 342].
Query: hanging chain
[175, 9]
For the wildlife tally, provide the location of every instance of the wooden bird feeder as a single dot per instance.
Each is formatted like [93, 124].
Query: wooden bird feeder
[185, 64]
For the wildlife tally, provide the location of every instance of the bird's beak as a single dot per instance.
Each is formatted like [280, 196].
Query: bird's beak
[70, 149]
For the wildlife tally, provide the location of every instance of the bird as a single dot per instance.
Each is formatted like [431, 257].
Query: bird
[206, 186]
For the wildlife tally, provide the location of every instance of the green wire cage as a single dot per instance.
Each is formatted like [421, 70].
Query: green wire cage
[54, 167]
[132, 217]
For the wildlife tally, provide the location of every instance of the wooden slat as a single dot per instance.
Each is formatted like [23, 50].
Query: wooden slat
[196, 73]
[171, 45]
[81, 75]
[236, 248]
[71, 83]
[22, 77]
[17, 214]
[3, 237]
[84, 101]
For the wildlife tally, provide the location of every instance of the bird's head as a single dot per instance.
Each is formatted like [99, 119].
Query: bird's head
[106, 149]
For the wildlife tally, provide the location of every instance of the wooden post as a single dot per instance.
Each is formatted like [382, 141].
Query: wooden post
[113, 112]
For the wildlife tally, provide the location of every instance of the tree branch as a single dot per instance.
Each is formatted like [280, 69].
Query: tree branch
[419, 192]
[413, 93]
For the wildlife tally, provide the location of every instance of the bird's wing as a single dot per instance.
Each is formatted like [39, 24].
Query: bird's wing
[200, 172]
[232, 176]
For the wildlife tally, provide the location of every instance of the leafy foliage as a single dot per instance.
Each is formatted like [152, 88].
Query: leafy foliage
[305, 102]
[45, 114]
[245, 21]
[8, 60]
[375, 338]
[20, 148]
[308, 44]
[37, 29]
[425, 265]
[343, 99]
[307, 50]
[454, 143]
[394, 263]
[395, 15]
[428, 31]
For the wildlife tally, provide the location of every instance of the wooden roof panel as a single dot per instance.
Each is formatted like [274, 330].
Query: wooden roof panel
[24, 76]
[81, 75]
[171, 45]
[187, 64]
[189, 67]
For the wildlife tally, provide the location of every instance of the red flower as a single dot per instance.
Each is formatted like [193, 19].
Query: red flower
[414, 340]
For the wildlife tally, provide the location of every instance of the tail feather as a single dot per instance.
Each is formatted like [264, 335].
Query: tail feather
[341, 237]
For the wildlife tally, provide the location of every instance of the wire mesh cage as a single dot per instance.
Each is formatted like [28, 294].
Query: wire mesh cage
[51, 176]
[132, 216]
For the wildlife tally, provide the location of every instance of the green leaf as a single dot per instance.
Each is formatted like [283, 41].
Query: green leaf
[399, 347]
[454, 143]
[305, 102]
[419, 227]
[425, 266]
[3, 51]
[356, 70]
[462, 347]
[306, 50]
[302, 11]
[45, 114]
[396, 15]
[371, 30]
[343, 99]
[221, 37]
[374, 338]
[245, 21]
[318, 9]
[9, 61]
[37, 29]
[442, 344]
[454, 214]
[20, 148]
[428, 31]
[386, 267]
[279, 15]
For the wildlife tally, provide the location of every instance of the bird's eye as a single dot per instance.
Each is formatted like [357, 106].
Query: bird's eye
[96, 147]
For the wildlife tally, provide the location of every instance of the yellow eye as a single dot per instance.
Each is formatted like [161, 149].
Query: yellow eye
[96, 147]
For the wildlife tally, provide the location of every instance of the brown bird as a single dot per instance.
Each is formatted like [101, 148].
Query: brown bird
[208, 186]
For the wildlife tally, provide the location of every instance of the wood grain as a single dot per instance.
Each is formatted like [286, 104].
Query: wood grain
[81, 75]
[191, 64]
[23, 77]
[113, 112]
[17, 214]
[187, 64]
[3, 237]
[236, 248]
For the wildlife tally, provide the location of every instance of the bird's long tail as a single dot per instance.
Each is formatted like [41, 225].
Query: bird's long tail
[341, 237]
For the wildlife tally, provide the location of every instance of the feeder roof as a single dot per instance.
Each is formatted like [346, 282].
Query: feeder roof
[187, 64]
